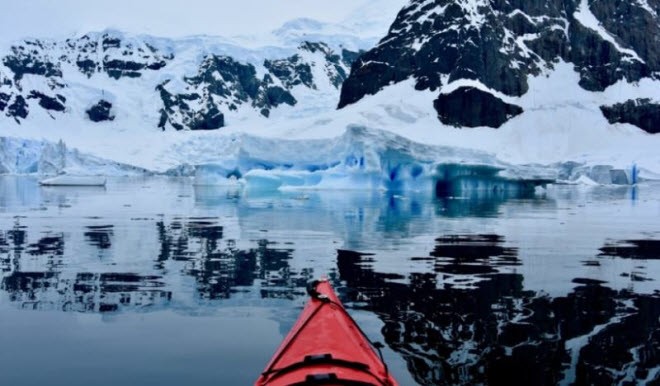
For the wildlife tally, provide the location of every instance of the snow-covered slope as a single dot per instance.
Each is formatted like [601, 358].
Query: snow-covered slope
[198, 83]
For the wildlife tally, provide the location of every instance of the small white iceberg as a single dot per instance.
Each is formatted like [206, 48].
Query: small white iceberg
[65, 180]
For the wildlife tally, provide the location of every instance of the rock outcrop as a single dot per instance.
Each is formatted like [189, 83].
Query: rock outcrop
[471, 107]
[100, 112]
[642, 113]
[500, 43]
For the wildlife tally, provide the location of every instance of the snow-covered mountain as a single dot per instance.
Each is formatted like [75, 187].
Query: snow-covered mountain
[194, 84]
[475, 53]
[571, 86]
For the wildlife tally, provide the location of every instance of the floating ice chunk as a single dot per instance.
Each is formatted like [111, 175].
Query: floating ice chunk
[66, 180]
[299, 179]
[584, 180]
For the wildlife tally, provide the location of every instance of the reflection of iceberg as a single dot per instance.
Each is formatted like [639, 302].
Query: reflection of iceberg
[66, 180]
[215, 196]
[19, 192]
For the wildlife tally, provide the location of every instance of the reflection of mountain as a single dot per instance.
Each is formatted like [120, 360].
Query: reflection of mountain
[472, 255]
[633, 249]
[86, 292]
[641, 249]
[495, 332]
[36, 275]
[99, 236]
[219, 268]
[51, 287]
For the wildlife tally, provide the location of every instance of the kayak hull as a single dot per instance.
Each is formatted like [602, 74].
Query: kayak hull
[325, 346]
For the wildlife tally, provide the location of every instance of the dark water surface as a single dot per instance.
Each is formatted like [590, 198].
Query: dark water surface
[159, 282]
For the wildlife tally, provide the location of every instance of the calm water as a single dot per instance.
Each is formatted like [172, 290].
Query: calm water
[158, 282]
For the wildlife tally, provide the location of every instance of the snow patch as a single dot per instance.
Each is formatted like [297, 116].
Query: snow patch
[471, 8]
[455, 85]
[584, 15]
[645, 4]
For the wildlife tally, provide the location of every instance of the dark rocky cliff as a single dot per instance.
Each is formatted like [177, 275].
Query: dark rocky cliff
[642, 113]
[501, 42]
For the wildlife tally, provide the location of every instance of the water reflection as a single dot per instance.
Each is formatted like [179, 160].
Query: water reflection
[472, 254]
[99, 236]
[217, 265]
[633, 249]
[19, 192]
[468, 206]
[469, 290]
[85, 292]
[495, 331]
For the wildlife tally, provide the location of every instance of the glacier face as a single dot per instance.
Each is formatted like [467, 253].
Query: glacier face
[361, 158]
[21, 156]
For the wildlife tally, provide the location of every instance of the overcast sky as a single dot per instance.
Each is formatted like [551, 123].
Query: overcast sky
[171, 18]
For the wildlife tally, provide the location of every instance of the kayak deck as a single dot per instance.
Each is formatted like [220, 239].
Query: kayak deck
[325, 347]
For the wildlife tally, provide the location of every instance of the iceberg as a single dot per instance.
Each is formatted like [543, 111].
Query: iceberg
[65, 180]
[572, 173]
[43, 158]
[360, 159]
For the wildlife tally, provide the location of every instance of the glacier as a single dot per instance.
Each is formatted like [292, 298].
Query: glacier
[359, 159]
[43, 158]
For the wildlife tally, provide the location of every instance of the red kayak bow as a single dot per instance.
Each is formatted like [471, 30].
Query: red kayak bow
[325, 347]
